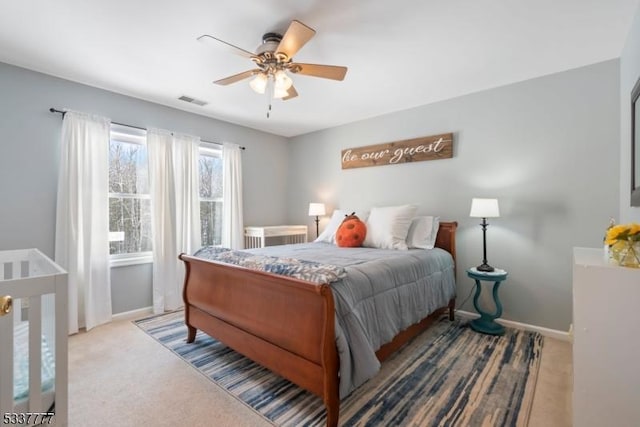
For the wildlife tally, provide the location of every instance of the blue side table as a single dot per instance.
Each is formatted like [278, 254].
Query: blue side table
[486, 323]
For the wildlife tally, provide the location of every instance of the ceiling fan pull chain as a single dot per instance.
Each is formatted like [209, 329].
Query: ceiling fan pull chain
[270, 89]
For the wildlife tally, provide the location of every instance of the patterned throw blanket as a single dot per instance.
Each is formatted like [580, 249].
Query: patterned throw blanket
[310, 271]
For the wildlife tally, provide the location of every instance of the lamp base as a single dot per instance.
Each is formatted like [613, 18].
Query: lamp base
[485, 268]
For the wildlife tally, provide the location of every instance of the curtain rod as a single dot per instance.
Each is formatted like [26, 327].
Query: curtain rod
[54, 110]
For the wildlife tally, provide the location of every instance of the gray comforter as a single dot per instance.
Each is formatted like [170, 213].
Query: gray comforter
[385, 292]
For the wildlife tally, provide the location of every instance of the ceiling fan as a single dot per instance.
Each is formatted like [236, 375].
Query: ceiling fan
[273, 59]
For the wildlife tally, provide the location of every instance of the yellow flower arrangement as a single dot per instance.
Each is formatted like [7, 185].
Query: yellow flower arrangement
[624, 243]
[623, 232]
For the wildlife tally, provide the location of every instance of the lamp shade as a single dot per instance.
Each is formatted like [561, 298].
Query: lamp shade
[316, 209]
[484, 208]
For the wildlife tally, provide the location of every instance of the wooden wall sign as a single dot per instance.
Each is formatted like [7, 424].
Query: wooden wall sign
[406, 151]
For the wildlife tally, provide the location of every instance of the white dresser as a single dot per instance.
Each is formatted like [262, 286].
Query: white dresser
[259, 237]
[606, 342]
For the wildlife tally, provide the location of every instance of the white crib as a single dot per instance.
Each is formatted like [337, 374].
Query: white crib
[33, 338]
[258, 237]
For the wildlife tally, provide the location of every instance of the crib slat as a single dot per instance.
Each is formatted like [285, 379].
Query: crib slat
[35, 354]
[6, 363]
[17, 269]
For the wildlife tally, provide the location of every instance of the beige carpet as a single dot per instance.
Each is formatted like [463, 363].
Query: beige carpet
[120, 376]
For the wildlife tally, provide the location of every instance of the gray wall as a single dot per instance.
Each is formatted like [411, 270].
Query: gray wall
[629, 74]
[543, 147]
[29, 156]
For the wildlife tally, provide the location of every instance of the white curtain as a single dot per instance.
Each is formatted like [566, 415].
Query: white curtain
[175, 211]
[232, 220]
[82, 218]
[186, 151]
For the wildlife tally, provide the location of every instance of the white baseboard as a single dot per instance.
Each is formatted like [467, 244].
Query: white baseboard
[133, 314]
[551, 333]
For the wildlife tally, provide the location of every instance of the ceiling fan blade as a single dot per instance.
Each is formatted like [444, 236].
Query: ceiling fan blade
[291, 93]
[332, 72]
[297, 35]
[235, 49]
[237, 77]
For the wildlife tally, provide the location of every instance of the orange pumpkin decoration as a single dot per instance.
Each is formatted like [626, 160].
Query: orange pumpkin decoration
[351, 232]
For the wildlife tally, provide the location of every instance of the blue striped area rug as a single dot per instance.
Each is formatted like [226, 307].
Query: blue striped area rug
[447, 376]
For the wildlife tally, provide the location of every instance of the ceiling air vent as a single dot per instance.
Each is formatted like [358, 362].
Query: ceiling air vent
[192, 100]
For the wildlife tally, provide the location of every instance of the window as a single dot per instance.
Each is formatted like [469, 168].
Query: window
[210, 169]
[130, 239]
[129, 199]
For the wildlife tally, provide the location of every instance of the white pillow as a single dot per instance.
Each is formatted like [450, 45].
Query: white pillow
[387, 227]
[423, 231]
[329, 233]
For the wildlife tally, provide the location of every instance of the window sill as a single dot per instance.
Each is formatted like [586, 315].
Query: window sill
[130, 260]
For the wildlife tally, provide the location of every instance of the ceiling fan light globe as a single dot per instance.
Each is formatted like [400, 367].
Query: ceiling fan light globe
[259, 83]
[283, 81]
[280, 93]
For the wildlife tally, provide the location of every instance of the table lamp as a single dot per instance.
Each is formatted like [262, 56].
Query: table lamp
[316, 209]
[484, 208]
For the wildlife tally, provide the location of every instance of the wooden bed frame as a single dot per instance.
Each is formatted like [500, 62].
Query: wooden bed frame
[282, 323]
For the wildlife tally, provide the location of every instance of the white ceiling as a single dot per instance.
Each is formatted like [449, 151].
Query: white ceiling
[399, 54]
